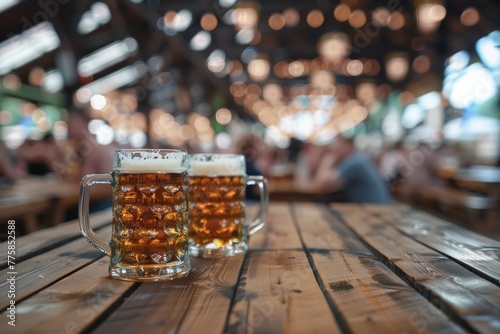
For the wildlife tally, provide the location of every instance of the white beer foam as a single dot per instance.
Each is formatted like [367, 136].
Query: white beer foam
[221, 167]
[151, 162]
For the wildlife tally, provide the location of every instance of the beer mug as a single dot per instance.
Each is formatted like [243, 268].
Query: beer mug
[216, 202]
[150, 219]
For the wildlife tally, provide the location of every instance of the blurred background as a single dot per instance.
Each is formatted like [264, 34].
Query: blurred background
[414, 84]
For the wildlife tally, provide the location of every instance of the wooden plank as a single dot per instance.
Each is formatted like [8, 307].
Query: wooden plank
[372, 299]
[17, 206]
[208, 290]
[70, 305]
[319, 231]
[393, 210]
[212, 298]
[278, 293]
[478, 253]
[198, 303]
[367, 295]
[423, 220]
[42, 270]
[444, 281]
[279, 232]
[48, 238]
[23, 208]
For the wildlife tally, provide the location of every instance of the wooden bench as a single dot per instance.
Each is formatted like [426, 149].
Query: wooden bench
[474, 209]
[42, 202]
[26, 208]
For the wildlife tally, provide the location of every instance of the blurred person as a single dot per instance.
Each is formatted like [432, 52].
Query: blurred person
[308, 161]
[10, 170]
[342, 168]
[39, 155]
[421, 165]
[88, 156]
[389, 161]
[85, 156]
[249, 146]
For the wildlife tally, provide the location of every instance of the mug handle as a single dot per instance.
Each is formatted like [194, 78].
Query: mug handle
[83, 211]
[260, 220]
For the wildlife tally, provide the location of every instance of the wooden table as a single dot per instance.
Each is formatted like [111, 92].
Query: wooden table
[477, 187]
[28, 198]
[485, 179]
[314, 268]
[287, 189]
[479, 173]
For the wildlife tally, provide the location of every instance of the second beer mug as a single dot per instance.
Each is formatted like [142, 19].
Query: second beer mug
[216, 201]
[149, 232]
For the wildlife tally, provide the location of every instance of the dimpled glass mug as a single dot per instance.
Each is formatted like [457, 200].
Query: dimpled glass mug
[150, 222]
[216, 201]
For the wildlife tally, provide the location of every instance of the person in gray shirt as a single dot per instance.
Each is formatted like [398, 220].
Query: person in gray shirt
[342, 168]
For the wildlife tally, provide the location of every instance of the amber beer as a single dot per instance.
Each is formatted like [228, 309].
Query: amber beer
[217, 210]
[217, 225]
[149, 220]
[149, 230]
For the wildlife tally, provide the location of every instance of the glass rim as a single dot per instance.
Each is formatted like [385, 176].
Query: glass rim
[221, 155]
[148, 150]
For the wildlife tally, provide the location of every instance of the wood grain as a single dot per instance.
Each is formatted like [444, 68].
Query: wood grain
[314, 268]
[44, 269]
[279, 231]
[372, 299]
[43, 240]
[472, 250]
[70, 305]
[278, 293]
[213, 297]
[319, 230]
[364, 292]
[198, 303]
[434, 275]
